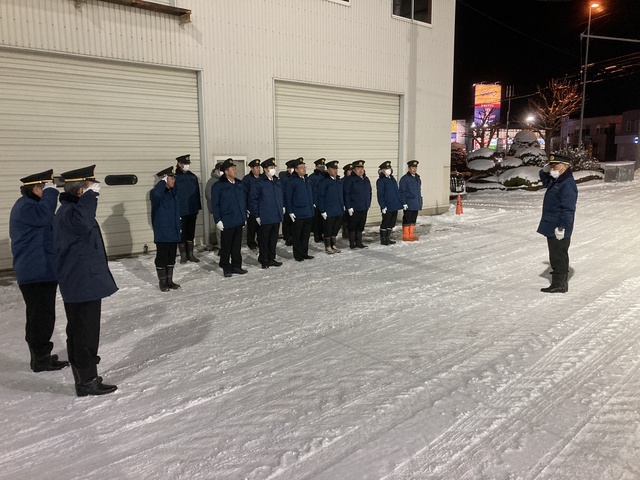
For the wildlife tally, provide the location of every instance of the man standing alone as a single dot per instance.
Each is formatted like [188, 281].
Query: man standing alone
[411, 198]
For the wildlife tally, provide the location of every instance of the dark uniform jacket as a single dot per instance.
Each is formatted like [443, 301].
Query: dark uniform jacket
[165, 214]
[314, 179]
[188, 192]
[410, 193]
[248, 181]
[357, 192]
[31, 232]
[559, 205]
[298, 196]
[330, 196]
[83, 271]
[388, 193]
[228, 203]
[266, 200]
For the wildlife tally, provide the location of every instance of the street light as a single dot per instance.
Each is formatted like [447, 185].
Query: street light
[584, 73]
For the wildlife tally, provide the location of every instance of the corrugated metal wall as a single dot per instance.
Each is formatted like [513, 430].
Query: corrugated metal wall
[241, 46]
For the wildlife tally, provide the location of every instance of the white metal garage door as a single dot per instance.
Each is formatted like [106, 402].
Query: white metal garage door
[314, 121]
[66, 112]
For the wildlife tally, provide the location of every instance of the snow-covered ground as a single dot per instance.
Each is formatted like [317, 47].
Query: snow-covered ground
[434, 359]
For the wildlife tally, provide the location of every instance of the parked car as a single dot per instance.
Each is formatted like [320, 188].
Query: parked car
[456, 185]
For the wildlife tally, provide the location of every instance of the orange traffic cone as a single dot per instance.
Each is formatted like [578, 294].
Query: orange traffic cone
[459, 206]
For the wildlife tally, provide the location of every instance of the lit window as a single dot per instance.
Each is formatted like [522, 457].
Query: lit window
[417, 10]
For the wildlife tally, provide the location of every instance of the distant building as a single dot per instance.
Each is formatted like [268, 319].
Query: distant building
[599, 135]
[627, 138]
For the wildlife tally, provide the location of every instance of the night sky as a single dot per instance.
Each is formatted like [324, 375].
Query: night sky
[524, 43]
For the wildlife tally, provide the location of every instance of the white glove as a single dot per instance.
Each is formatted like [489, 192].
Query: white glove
[248, 213]
[405, 207]
[164, 179]
[546, 168]
[314, 205]
[220, 225]
[284, 210]
[384, 210]
[94, 186]
[49, 185]
[350, 212]
[293, 217]
[258, 221]
[559, 233]
[324, 215]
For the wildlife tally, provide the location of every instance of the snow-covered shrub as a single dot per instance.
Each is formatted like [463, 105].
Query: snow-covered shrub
[481, 165]
[524, 138]
[458, 157]
[525, 176]
[580, 159]
[486, 153]
[532, 156]
[511, 162]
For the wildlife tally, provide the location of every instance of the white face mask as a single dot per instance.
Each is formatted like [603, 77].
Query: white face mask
[554, 173]
[290, 170]
[185, 168]
[387, 171]
[272, 171]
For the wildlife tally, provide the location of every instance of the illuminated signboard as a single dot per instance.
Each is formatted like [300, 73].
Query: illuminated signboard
[487, 103]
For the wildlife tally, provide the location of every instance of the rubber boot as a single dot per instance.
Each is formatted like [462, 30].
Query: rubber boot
[412, 233]
[406, 236]
[333, 245]
[89, 383]
[327, 246]
[384, 240]
[389, 241]
[558, 284]
[359, 243]
[352, 240]
[170, 283]
[190, 256]
[162, 279]
[183, 252]
[46, 363]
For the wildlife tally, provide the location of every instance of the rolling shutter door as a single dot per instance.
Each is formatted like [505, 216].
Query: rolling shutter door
[65, 112]
[314, 121]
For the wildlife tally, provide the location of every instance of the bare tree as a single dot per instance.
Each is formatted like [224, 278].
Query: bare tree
[559, 98]
[483, 128]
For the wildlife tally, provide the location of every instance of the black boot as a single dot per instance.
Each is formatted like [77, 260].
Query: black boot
[352, 240]
[162, 278]
[183, 252]
[89, 383]
[170, 283]
[389, 241]
[190, 256]
[558, 284]
[46, 363]
[359, 243]
[383, 237]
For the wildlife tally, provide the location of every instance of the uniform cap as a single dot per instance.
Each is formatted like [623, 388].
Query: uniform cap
[413, 163]
[254, 163]
[269, 162]
[292, 163]
[320, 161]
[167, 171]
[347, 167]
[218, 166]
[226, 164]
[298, 161]
[560, 159]
[332, 164]
[186, 159]
[36, 178]
[79, 174]
[358, 163]
[385, 165]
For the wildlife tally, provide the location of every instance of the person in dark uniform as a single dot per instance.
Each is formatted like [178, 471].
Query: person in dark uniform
[266, 204]
[331, 205]
[357, 201]
[83, 275]
[314, 179]
[298, 200]
[215, 176]
[229, 207]
[286, 222]
[165, 219]
[411, 198]
[247, 182]
[558, 214]
[389, 201]
[188, 191]
[34, 263]
[346, 171]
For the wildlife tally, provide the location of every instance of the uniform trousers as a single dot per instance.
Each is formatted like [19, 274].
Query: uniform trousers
[165, 254]
[252, 232]
[389, 220]
[83, 333]
[357, 221]
[230, 245]
[345, 225]
[267, 241]
[301, 231]
[559, 254]
[286, 228]
[316, 225]
[188, 225]
[409, 217]
[331, 226]
[40, 299]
